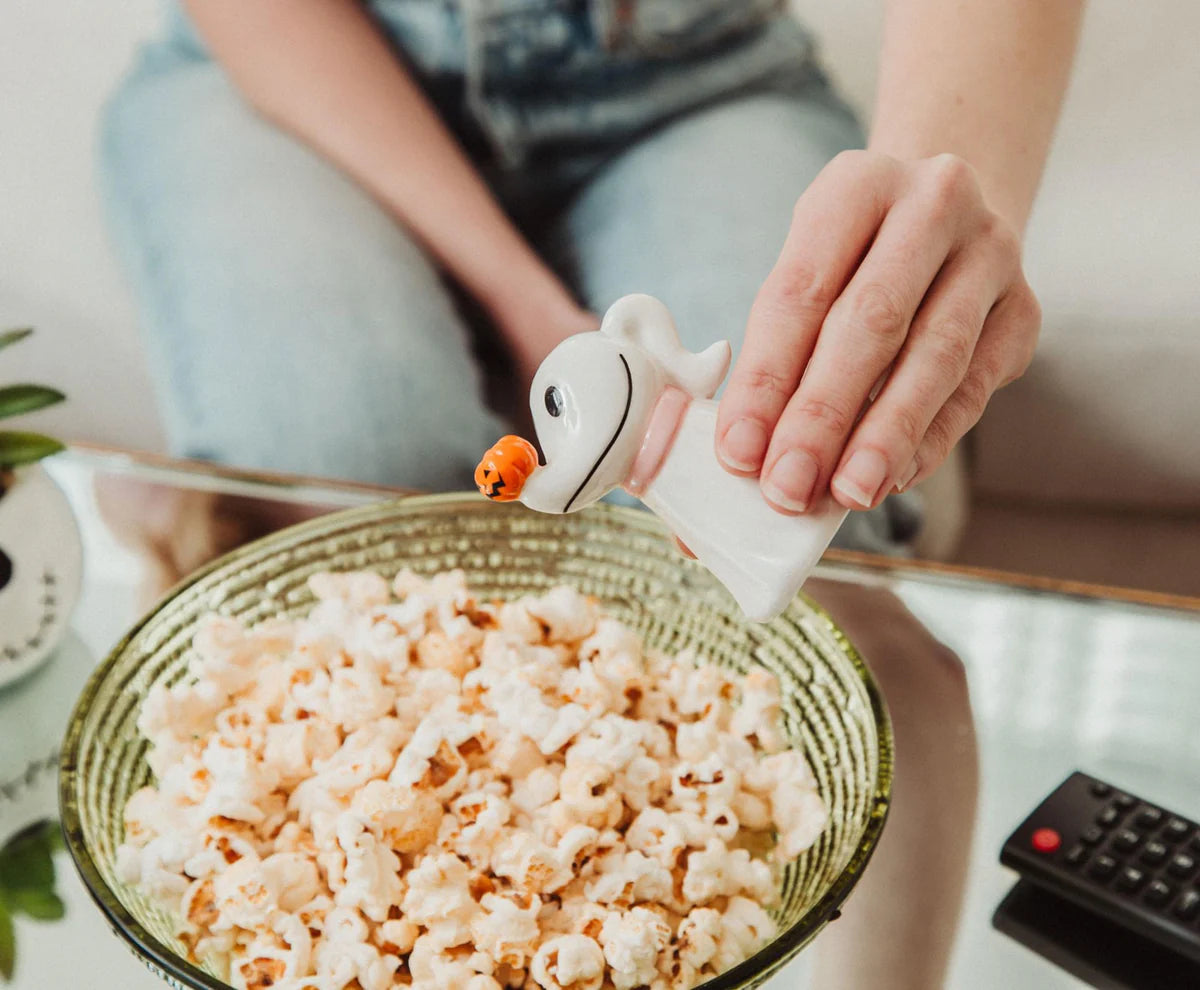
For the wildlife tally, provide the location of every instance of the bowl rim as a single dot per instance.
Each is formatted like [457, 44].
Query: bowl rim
[173, 966]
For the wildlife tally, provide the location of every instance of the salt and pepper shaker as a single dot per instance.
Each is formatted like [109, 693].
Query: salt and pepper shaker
[628, 406]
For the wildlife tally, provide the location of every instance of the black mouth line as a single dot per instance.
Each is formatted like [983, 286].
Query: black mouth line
[49, 600]
[620, 427]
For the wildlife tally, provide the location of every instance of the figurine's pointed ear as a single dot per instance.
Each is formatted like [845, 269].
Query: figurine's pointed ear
[638, 318]
[707, 369]
[644, 321]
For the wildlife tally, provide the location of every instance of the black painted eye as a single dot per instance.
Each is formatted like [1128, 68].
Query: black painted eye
[554, 401]
[6, 569]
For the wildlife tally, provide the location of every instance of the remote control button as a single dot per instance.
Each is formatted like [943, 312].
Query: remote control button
[1126, 840]
[1102, 867]
[1108, 817]
[1158, 893]
[1130, 878]
[1188, 905]
[1100, 789]
[1092, 835]
[1154, 853]
[1149, 817]
[1176, 830]
[1124, 801]
[1046, 840]
[1181, 866]
[1076, 856]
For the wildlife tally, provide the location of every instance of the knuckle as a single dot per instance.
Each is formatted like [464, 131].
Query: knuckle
[850, 160]
[880, 309]
[1023, 337]
[972, 397]
[800, 288]
[954, 345]
[824, 412]
[908, 425]
[939, 438]
[762, 383]
[1029, 310]
[1003, 238]
[1022, 359]
[951, 179]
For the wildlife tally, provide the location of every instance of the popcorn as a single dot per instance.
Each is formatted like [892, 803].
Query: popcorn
[283, 951]
[536, 789]
[397, 936]
[291, 748]
[758, 715]
[481, 818]
[244, 895]
[357, 697]
[408, 788]
[569, 962]
[632, 941]
[716, 871]
[366, 754]
[405, 820]
[625, 878]
[372, 871]
[745, 926]
[587, 797]
[505, 930]
[358, 588]
[565, 614]
[528, 864]
[439, 892]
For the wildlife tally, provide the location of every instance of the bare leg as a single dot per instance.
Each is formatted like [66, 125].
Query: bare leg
[898, 927]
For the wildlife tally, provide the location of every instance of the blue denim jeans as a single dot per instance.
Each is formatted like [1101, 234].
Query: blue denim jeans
[642, 145]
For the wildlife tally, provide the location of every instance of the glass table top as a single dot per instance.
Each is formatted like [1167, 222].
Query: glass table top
[1060, 678]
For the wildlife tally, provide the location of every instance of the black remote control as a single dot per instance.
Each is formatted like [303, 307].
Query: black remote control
[1123, 858]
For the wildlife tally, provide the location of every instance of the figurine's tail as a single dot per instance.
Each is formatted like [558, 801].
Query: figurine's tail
[645, 321]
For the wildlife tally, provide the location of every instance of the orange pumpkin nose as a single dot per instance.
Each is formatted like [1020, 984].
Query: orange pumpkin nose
[502, 473]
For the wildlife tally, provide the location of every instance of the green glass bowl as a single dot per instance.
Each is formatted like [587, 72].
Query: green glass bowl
[832, 707]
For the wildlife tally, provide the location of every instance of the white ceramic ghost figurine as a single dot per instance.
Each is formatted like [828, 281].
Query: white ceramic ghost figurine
[627, 405]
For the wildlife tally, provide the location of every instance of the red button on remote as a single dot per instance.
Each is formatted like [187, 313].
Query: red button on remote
[1046, 840]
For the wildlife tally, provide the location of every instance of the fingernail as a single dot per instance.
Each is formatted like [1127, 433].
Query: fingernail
[862, 477]
[791, 481]
[744, 444]
[905, 481]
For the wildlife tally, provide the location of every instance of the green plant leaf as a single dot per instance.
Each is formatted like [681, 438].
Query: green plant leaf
[44, 905]
[18, 399]
[27, 865]
[8, 944]
[54, 836]
[14, 336]
[18, 448]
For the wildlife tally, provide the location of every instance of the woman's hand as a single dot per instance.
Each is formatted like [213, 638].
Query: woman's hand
[896, 277]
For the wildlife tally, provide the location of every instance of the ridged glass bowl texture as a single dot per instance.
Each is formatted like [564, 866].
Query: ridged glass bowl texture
[832, 708]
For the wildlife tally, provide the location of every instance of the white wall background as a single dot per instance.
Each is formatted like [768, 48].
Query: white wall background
[1114, 248]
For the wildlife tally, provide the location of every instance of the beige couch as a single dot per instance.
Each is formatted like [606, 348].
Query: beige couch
[1089, 467]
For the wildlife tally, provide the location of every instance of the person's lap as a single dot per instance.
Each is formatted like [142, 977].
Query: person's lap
[291, 323]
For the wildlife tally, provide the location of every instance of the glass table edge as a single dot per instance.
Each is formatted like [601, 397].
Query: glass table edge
[836, 564]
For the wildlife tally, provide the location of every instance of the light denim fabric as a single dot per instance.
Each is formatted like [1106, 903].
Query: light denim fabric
[642, 145]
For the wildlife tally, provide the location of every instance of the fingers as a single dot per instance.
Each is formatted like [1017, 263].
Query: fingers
[1005, 348]
[860, 338]
[832, 226]
[930, 367]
